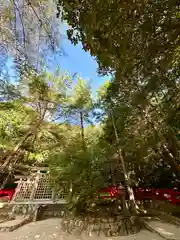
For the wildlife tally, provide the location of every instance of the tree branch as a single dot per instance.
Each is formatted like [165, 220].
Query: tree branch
[41, 23]
[23, 28]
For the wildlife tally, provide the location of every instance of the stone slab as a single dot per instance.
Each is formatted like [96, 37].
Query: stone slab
[166, 230]
[11, 223]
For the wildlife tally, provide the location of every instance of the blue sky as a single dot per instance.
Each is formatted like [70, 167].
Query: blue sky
[75, 60]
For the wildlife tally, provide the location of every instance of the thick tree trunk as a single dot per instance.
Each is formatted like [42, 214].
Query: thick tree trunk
[130, 192]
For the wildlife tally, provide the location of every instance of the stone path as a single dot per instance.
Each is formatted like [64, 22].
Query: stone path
[50, 230]
[166, 230]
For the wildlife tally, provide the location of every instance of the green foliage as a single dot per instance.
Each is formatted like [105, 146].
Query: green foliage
[124, 34]
[81, 95]
[80, 101]
[42, 100]
[83, 170]
[14, 121]
[8, 92]
[144, 129]
[139, 43]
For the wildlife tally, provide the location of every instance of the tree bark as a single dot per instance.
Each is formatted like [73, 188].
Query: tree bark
[82, 129]
[130, 192]
[171, 159]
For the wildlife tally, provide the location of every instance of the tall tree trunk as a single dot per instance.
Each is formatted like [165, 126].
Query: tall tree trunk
[130, 192]
[82, 129]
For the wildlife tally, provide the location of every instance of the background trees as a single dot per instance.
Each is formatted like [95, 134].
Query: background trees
[30, 122]
[80, 105]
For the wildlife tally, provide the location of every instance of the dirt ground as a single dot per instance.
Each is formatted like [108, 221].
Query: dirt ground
[50, 230]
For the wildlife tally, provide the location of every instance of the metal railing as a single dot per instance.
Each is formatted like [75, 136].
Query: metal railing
[39, 188]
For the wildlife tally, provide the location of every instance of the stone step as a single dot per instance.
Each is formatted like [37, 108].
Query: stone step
[164, 216]
[11, 225]
[166, 230]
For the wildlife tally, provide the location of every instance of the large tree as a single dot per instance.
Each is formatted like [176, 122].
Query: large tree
[139, 42]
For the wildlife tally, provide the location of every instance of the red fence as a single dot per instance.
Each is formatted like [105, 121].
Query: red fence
[7, 193]
[112, 192]
[142, 194]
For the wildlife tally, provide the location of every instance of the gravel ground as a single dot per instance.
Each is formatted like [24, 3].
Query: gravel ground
[50, 230]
